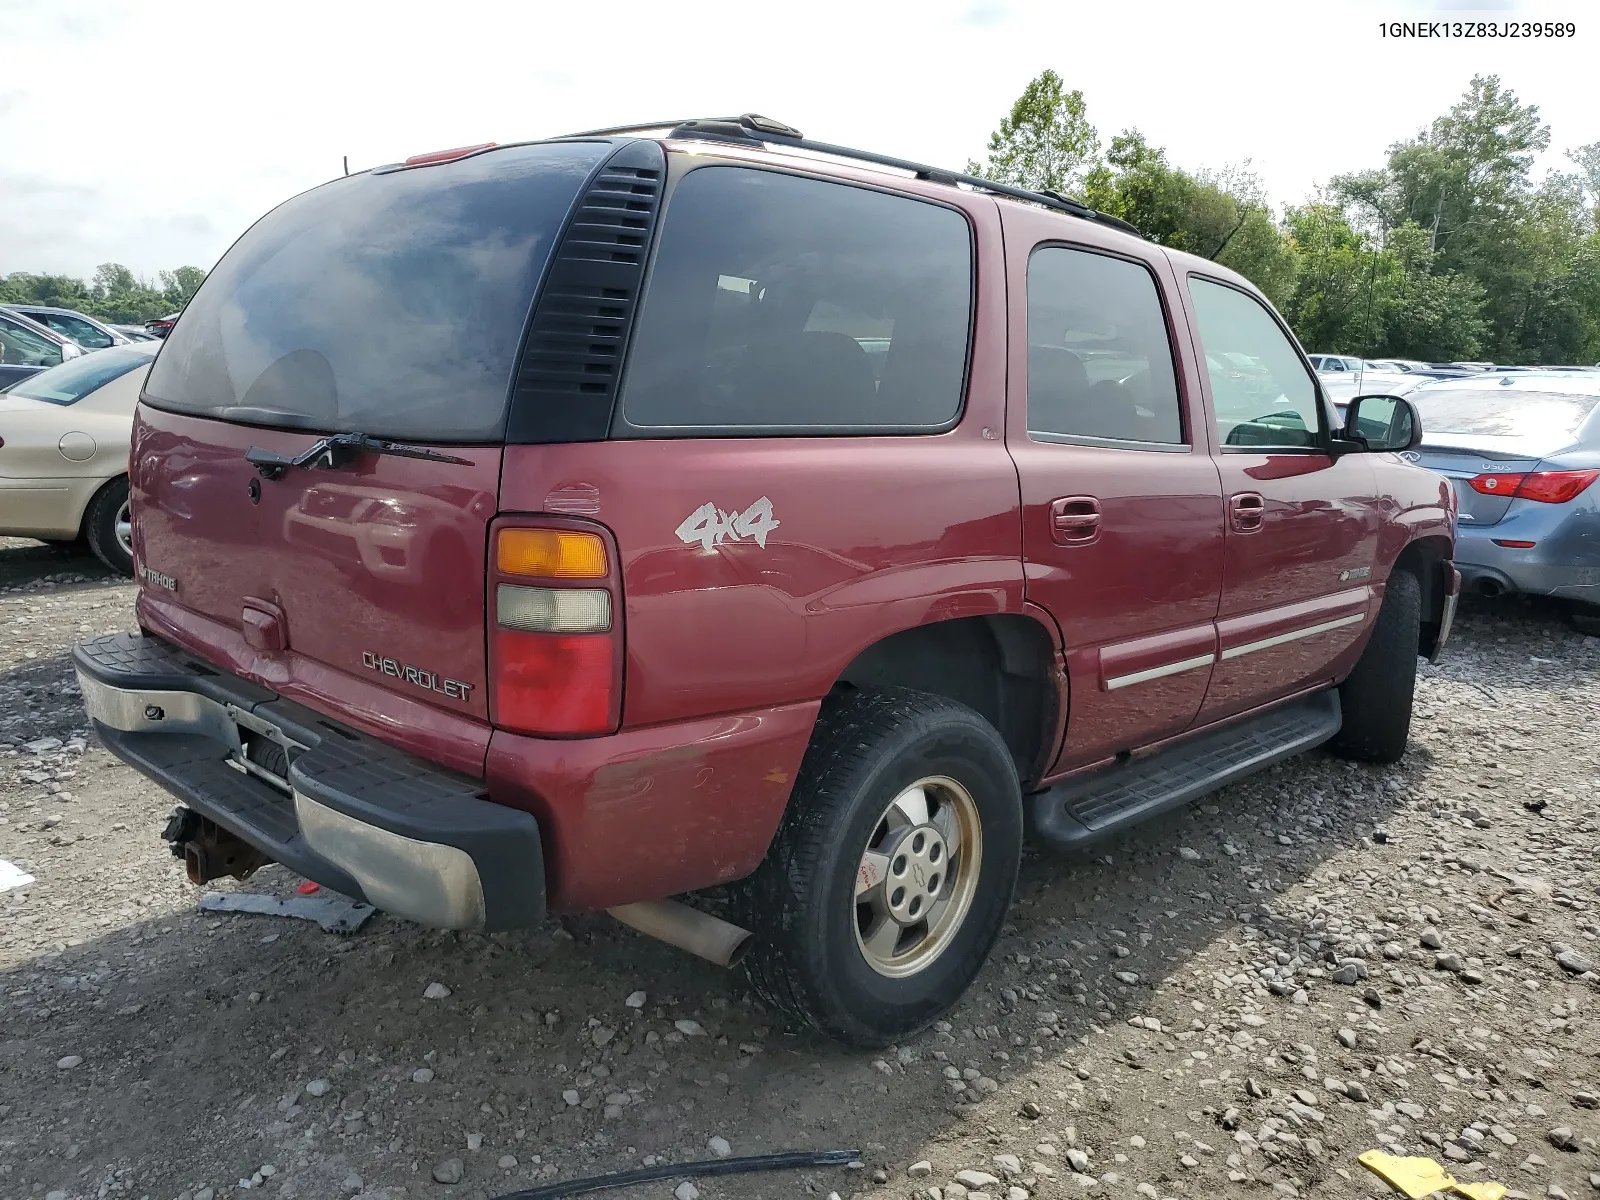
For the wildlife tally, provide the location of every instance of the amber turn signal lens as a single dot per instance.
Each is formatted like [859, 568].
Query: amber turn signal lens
[551, 553]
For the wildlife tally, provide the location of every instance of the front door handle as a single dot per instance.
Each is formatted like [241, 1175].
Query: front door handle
[1074, 520]
[1245, 512]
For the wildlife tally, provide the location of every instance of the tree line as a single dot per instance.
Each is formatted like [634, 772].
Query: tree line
[115, 295]
[1450, 250]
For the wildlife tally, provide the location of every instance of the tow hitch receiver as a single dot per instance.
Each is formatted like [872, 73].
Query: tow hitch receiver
[208, 850]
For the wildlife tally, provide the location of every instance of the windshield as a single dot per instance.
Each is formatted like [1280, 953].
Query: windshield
[391, 304]
[1549, 417]
[77, 377]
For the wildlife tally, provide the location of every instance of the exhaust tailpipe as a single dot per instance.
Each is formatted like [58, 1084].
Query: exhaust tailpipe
[699, 933]
[1489, 586]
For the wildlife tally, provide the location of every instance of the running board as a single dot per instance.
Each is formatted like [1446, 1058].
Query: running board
[1084, 809]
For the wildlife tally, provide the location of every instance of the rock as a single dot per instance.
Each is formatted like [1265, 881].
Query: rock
[42, 745]
[1017, 1193]
[572, 1097]
[1230, 1119]
[318, 1087]
[1356, 1090]
[635, 1000]
[352, 1182]
[686, 1191]
[1033, 1112]
[1078, 1160]
[1571, 960]
[920, 1170]
[422, 1075]
[975, 1181]
[690, 1029]
[1562, 1138]
[70, 1061]
[507, 1162]
[720, 1147]
[1127, 977]
[1586, 1100]
[449, 1171]
[602, 1037]
[205, 1194]
[1009, 1164]
[1347, 1038]
[1254, 1090]
[436, 991]
[474, 1141]
[1188, 855]
[1448, 962]
[1431, 939]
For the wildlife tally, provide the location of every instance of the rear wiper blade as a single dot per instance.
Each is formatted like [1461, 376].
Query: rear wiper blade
[336, 450]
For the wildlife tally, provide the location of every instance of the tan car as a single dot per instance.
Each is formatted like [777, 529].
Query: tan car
[64, 437]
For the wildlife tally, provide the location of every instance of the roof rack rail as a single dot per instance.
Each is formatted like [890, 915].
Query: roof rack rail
[754, 128]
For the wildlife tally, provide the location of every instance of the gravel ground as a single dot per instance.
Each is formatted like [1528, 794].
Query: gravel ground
[1235, 1001]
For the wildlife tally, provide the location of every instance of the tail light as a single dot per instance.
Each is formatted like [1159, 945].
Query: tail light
[1547, 487]
[440, 156]
[556, 648]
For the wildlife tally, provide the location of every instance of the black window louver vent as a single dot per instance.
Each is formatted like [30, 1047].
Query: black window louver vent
[568, 374]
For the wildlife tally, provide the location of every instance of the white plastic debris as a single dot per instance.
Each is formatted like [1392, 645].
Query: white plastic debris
[336, 914]
[13, 876]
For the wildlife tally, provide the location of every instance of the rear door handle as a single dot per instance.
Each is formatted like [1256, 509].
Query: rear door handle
[1245, 511]
[1074, 520]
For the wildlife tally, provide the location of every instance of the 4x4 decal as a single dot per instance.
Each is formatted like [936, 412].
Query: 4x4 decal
[709, 525]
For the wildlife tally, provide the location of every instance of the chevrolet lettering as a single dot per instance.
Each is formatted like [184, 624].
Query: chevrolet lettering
[416, 677]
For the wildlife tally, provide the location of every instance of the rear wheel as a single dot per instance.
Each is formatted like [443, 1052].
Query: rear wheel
[891, 873]
[1376, 697]
[108, 526]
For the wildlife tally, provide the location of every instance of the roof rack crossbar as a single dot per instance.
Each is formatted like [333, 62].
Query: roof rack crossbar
[751, 127]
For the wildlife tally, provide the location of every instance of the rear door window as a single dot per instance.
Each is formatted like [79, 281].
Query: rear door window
[387, 303]
[780, 304]
[76, 328]
[1261, 393]
[23, 347]
[1099, 361]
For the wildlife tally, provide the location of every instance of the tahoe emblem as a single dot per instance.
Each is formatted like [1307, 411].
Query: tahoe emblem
[416, 676]
[151, 575]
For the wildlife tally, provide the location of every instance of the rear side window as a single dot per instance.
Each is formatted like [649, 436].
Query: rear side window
[1549, 415]
[391, 304]
[77, 377]
[1099, 362]
[1261, 393]
[779, 304]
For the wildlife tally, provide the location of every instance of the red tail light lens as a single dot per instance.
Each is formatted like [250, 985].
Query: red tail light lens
[1555, 487]
[1495, 485]
[1547, 487]
[556, 665]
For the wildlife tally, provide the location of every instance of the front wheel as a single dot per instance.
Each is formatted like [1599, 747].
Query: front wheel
[892, 870]
[1376, 697]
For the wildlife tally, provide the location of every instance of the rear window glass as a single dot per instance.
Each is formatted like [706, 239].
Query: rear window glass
[789, 305]
[1503, 412]
[77, 377]
[392, 304]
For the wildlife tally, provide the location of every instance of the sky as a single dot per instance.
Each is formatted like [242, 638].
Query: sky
[152, 134]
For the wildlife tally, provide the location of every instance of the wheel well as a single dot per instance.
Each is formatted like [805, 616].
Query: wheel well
[1001, 666]
[1424, 558]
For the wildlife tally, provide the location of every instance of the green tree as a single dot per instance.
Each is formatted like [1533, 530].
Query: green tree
[177, 287]
[1045, 143]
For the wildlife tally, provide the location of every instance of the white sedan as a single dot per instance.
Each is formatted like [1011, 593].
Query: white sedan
[64, 437]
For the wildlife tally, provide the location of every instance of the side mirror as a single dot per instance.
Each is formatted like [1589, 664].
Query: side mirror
[1382, 424]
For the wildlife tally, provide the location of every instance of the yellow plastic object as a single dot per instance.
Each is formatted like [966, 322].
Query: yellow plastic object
[1420, 1177]
[551, 553]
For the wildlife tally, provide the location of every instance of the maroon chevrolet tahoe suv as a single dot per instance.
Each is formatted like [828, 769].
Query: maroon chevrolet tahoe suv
[573, 525]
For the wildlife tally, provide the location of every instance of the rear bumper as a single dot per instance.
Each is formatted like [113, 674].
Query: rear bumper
[351, 812]
[1563, 561]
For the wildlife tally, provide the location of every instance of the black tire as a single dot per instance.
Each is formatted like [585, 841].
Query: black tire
[100, 526]
[806, 958]
[1376, 697]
